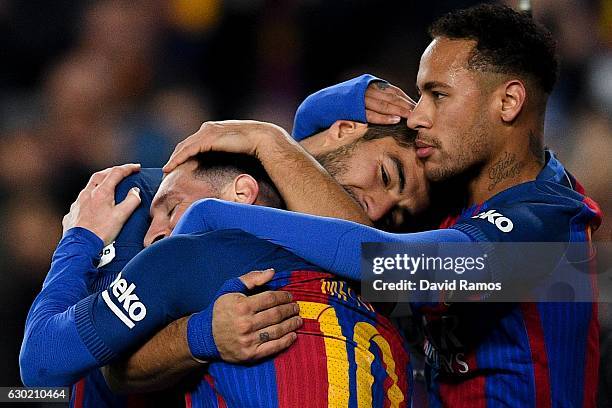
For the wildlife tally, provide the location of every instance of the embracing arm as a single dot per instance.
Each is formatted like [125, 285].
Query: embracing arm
[304, 185]
[232, 335]
[332, 244]
[159, 363]
[53, 351]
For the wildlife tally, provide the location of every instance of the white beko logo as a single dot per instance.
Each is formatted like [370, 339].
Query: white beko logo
[107, 254]
[502, 223]
[135, 309]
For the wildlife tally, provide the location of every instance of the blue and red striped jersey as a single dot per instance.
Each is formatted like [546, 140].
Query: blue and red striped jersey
[529, 354]
[346, 355]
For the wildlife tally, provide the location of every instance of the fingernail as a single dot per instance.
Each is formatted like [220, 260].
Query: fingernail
[289, 296]
[296, 308]
[136, 191]
[394, 119]
[300, 321]
[270, 270]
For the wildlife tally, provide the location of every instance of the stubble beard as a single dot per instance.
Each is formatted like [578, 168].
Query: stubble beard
[468, 150]
[336, 163]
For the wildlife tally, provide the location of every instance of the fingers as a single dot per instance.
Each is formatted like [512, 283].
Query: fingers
[276, 331]
[188, 148]
[269, 348]
[257, 278]
[266, 300]
[275, 315]
[380, 119]
[129, 204]
[111, 176]
[96, 178]
[181, 153]
[118, 173]
[388, 104]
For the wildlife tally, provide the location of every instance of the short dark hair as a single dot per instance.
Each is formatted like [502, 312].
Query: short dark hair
[400, 132]
[219, 168]
[508, 42]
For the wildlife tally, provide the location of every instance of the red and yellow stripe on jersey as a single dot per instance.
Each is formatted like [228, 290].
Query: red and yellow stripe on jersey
[346, 355]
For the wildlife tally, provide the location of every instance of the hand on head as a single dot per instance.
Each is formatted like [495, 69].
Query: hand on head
[95, 208]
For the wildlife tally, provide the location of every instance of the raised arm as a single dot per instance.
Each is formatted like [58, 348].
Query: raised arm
[332, 244]
[304, 185]
[52, 347]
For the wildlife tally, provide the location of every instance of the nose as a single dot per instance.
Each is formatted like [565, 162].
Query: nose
[156, 231]
[419, 118]
[378, 205]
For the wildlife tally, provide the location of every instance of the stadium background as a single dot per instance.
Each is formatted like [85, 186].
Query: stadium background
[89, 84]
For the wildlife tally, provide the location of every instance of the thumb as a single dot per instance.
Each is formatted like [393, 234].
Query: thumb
[131, 202]
[257, 278]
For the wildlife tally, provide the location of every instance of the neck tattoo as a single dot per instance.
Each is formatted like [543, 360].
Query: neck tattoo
[505, 168]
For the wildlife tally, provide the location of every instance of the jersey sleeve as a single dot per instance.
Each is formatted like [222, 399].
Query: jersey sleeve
[526, 245]
[52, 347]
[321, 109]
[175, 277]
[53, 351]
[332, 244]
[70, 331]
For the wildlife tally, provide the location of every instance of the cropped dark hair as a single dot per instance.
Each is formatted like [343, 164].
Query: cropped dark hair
[219, 168]
[508, 42]
[400, 132]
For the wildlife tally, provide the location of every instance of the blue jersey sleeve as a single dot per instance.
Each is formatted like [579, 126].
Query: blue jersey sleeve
[332, 244]
[523, 214]
[70, 331]
[175, 277]
[321, 109]
[51, 347]
[53, 352]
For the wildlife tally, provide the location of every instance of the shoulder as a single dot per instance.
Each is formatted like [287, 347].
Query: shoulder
[534, 211]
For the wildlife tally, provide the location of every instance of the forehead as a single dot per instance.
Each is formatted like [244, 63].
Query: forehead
[444, 60]
[180, 182]
[380, 146]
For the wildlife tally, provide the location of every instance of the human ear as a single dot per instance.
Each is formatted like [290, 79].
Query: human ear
[345, 131]
[243, 189]
[512, 100]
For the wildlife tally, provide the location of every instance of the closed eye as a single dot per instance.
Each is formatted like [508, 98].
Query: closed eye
[384, 176]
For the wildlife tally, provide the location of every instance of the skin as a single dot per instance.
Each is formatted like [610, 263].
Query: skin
[475, 121]
[312, 190]
[316, 192]
[379, 174]
[180, 189]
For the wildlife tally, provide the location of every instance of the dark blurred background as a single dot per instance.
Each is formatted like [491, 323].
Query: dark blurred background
[89, 84]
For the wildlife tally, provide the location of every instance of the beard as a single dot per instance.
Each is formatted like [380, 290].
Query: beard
[466, 152]
[336, 164]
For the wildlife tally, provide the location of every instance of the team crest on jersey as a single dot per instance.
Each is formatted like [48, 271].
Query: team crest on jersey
[504, 224]
[130, 309]
[107, 254]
